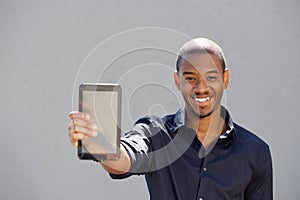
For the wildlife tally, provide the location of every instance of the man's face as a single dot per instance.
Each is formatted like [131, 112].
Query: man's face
[201, 82]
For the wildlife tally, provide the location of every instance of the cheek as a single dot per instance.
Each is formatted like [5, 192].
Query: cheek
[217, 87]
[185, 85]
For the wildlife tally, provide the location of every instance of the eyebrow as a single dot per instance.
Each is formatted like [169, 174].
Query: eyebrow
[184, 73]
[208, 72]
[213, 71]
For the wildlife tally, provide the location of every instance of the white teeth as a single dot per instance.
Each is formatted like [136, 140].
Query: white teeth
[202, 99]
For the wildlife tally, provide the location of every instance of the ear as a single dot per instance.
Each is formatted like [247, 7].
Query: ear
[176, 79]
[226, 78]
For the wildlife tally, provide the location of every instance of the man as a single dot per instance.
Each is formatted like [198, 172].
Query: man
[197, 153]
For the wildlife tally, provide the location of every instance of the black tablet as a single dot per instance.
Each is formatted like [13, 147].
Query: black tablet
[103, 103]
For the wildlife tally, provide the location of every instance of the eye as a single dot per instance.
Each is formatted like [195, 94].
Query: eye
[190, 78]
[211, 78]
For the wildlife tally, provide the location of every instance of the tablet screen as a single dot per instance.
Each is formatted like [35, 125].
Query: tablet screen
[103, 103]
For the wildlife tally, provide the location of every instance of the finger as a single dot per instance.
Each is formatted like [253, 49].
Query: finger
[70, 126]
[77, 136]
[74, 137]
[74, 142]
[86, 124]
[79, 115]
[84, 131]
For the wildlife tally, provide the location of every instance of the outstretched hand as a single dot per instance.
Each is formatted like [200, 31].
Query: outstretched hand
[81, 127]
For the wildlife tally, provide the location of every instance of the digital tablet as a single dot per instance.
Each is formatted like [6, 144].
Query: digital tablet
[103, 103]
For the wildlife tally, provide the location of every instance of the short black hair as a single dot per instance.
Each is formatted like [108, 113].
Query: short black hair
[201, 46]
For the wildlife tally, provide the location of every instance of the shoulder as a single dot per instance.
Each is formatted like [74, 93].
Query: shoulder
[249, 140]
[149, 120]
[255, 151]
[152, 124]
[156, 121]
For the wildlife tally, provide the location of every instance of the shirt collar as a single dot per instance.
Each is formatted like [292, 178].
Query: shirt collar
[229, 123]
[179, 118]
[180, 121]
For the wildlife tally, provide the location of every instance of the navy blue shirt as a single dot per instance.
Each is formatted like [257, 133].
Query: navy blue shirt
[177, 167]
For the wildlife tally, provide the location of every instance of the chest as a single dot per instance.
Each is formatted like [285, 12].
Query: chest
[221, 174]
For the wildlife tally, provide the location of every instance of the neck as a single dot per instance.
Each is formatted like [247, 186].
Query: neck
[209, 128]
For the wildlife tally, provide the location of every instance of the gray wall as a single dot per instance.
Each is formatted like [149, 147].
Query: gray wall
[43, 44]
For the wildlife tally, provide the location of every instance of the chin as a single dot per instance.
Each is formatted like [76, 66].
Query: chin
[204, 115]
[201, 114]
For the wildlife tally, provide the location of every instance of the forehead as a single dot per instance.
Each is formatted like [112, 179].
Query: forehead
[201, 62]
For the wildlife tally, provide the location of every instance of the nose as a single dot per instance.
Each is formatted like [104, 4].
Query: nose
[201, 87]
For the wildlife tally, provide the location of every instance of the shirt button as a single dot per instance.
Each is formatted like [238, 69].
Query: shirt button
[200, 198]
[204, 169]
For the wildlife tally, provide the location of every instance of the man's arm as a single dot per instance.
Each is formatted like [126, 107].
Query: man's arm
[81, 127]
[261, 185]
[120, 166]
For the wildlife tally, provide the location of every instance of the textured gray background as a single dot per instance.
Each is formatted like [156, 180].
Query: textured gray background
[43, 43]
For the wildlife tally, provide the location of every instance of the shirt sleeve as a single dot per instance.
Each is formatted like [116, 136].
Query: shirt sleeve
[261, 185]
[137, 143]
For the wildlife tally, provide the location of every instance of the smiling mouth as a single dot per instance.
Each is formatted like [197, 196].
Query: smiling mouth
[202, 100]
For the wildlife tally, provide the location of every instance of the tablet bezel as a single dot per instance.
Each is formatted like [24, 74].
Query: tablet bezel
[101, 87]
